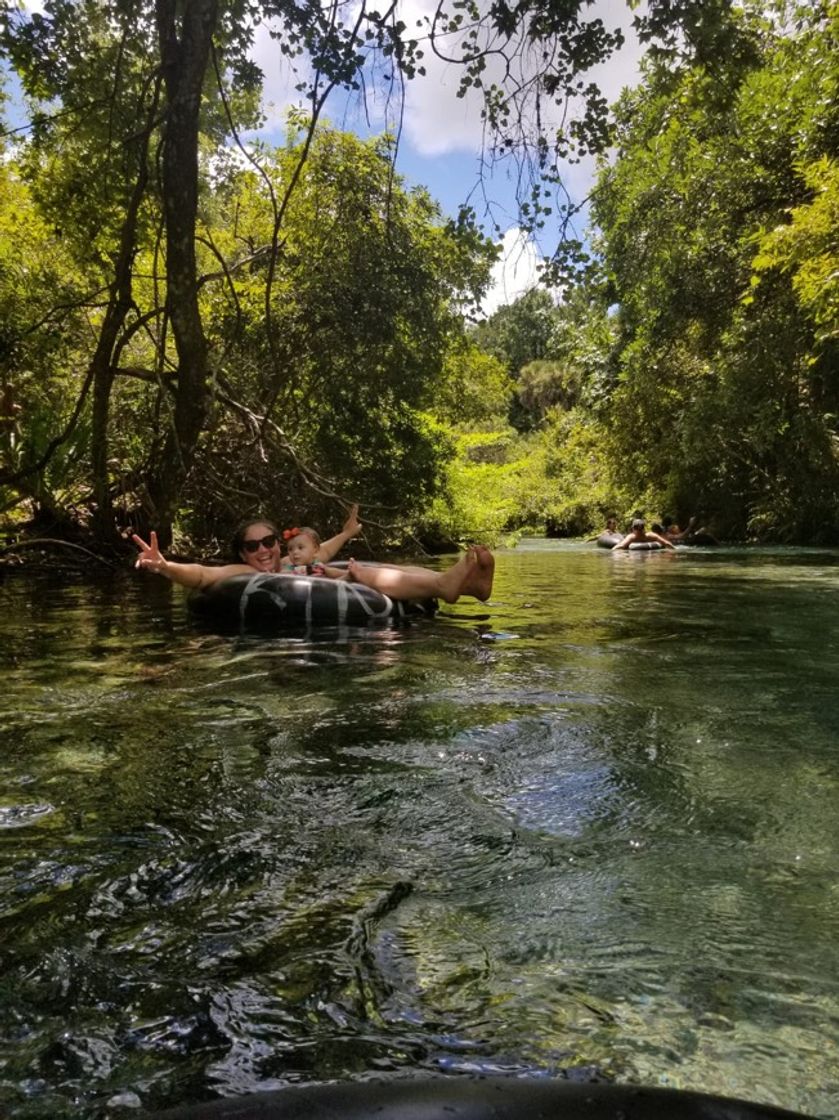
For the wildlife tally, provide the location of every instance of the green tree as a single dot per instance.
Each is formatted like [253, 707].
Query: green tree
[131, 99]
[335, 387]
[519, 332]
[807, 249]
[723, 396]
[44, 329]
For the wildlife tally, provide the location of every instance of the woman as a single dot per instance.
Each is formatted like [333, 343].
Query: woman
[258, 545]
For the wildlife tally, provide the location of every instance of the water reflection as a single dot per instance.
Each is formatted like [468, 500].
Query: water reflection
[596, 831]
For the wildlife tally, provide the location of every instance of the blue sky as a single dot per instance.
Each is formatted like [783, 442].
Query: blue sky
[440, 143]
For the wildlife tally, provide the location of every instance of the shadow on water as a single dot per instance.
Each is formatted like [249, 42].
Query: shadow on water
[594, 832]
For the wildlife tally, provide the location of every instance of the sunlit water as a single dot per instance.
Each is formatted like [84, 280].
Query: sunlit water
[591, 828]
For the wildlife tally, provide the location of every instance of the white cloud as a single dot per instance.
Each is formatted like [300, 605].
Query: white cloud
[515, 272]
[278, 92]
[437, 122]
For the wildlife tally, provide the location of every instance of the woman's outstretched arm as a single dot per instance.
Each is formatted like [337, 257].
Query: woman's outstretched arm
[195, 576]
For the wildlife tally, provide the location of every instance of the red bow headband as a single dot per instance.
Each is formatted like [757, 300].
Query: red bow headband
[289, 533]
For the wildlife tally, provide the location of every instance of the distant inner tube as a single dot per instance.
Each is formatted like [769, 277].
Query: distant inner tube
[609, 540]
[490, 1098]
[267, 604]
[645, 546]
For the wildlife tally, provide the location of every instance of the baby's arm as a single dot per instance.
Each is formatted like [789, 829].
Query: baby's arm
[336, 573]
[352, 527]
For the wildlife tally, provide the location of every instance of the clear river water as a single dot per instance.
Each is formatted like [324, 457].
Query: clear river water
[590, 829]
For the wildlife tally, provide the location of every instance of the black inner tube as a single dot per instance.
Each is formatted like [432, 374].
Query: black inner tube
[265, 603]
[484, 1098]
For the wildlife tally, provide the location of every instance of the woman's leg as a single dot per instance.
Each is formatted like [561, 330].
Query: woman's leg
[470, 575]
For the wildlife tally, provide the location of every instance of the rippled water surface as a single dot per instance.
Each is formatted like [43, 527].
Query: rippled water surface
[591, 827]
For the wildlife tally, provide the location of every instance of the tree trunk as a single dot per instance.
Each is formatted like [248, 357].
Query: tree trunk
[184, 64]
[103, 362]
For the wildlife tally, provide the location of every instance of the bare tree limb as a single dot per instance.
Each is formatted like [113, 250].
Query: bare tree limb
[40, 541]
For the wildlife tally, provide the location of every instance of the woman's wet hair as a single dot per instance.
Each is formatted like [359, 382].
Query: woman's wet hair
[238, 541]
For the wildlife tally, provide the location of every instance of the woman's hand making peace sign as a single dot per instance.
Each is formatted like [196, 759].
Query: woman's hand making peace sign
[150, 558]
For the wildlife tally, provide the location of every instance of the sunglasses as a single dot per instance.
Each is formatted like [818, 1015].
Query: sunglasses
[265, 542]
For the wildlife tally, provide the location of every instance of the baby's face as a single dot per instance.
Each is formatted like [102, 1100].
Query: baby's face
[302, 549]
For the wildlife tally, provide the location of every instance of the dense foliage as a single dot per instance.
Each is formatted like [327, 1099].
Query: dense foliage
[718, 247]
[328, 388]
[697, 369]
[131, 105]
[193, 329]
[322, 383]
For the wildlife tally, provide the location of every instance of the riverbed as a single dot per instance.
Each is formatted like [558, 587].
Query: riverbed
[586, 830]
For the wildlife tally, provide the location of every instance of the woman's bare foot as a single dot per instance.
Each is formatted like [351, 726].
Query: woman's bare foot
[471, 575]
[451, 583]
[479, 581]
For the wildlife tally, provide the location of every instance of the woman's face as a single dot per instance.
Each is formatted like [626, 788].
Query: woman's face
[261, 547]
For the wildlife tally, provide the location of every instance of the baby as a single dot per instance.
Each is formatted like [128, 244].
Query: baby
[302, 546]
